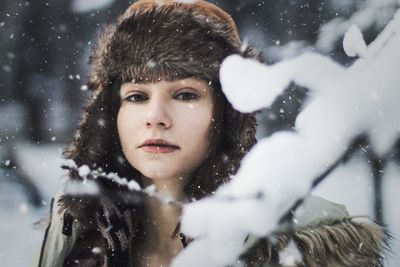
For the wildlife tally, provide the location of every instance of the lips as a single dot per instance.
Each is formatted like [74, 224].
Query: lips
[158, 146]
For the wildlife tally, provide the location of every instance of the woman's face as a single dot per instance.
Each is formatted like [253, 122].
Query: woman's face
[164, 126]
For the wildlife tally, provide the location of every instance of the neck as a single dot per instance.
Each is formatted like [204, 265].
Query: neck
[161, 218]
[168, 189]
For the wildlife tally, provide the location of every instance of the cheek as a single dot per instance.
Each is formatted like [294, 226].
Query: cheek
[126, 123]
[197, 127]
[121, 125]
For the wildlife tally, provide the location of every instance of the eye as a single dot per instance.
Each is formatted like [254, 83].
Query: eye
[137, 97]
[186, 96]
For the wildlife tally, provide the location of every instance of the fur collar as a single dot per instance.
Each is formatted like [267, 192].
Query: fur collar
[346, 243]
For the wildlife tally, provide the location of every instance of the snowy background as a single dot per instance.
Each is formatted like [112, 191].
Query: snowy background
[44, 49]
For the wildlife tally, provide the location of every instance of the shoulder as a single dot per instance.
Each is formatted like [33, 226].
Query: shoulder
[61, 235]
[324, 235]
[54, 246]
[315, 210]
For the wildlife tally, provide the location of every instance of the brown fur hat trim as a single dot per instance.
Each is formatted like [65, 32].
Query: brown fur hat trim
[168, 40]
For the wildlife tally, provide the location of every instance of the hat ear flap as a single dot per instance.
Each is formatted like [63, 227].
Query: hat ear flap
[95, 140]
[240, 132]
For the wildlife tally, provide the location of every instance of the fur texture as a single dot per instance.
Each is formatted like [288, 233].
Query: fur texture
[346, 243]
[164, 40]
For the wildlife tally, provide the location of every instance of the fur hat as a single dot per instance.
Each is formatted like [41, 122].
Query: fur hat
[165, 39]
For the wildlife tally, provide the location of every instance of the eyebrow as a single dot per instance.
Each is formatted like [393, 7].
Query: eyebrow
[189, 82]
[123, 90]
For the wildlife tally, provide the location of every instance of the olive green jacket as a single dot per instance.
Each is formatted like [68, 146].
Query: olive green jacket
[324, 235]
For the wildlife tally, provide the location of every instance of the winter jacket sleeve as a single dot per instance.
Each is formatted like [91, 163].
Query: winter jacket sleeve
[324, 235]
[58, 240]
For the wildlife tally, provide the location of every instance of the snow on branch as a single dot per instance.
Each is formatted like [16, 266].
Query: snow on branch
[370, 13]
[89, 177]
[344, 103]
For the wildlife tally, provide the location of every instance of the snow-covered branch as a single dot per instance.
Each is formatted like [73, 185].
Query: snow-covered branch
[343, 104]
[87, 185]
[369, 13]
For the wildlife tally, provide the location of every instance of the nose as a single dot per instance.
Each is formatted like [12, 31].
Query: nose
[158, 115]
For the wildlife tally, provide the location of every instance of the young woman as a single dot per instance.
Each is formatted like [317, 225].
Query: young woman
[158, 117]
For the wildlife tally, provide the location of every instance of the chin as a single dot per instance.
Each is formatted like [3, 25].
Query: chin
[160, 174]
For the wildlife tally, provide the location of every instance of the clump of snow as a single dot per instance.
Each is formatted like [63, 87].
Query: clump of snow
[290, 256]
[81, 6]
[244, 94]
[353, 42]
[151, 190]
[257, 85]
[84, 171]
[81, 188]
[133, 185]
[96, 250]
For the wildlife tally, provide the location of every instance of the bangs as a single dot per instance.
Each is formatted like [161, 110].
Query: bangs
[152, 72]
